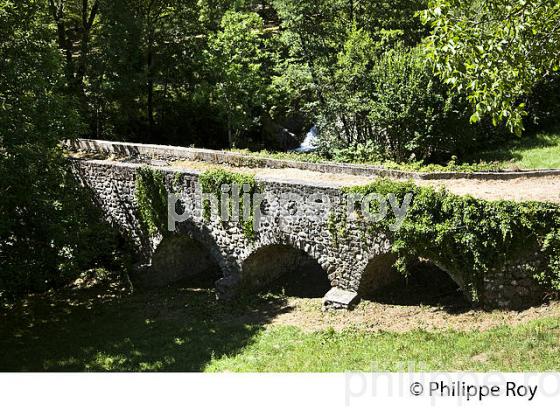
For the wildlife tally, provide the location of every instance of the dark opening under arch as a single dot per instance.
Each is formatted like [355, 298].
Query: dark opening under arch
[285, 269]
[180, 258]
[426, 284]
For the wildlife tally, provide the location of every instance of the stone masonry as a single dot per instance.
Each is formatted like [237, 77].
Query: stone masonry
[354, 260]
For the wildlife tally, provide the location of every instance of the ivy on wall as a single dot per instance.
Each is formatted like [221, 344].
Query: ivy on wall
[151, 198]
[470, 236]
[337, 226]
[212, 181]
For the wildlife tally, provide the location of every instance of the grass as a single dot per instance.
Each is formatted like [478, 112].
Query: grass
[287, 349]
[538, 151]
[541, 151]
[105, 328]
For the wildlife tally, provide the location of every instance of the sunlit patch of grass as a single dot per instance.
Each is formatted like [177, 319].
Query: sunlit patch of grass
[540, 151]
[181, 329]
[107, 362]
[532, 347]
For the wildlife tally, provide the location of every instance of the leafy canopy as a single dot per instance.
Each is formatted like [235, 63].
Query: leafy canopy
[494, 51]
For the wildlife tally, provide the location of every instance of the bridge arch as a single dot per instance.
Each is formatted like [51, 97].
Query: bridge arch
[286, 267]
[191, 253]
[378, 273]
[428, 283]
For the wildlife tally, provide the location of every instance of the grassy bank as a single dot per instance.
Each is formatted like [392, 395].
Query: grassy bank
[184, 329]
[529, 347]
[539, 151]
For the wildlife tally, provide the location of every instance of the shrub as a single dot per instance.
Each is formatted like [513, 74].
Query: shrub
[393, 106]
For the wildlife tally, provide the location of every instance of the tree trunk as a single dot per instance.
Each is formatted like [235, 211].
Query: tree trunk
[150, 106]
[57, 12]
[75, 71]
[230, 134]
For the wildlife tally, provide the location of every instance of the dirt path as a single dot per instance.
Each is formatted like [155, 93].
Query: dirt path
[521, 189]
[373, 316]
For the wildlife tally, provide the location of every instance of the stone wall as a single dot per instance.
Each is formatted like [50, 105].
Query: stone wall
[514, 286]
[354, 260]
[169, 153]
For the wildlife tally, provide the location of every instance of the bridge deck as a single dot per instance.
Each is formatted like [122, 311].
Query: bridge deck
[546, 188]
[521, 186]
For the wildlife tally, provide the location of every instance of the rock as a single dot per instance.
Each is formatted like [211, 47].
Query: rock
[337, 298]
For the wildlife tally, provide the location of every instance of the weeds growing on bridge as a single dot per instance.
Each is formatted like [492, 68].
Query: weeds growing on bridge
[471, 237]
[151, 199]
[212, 181]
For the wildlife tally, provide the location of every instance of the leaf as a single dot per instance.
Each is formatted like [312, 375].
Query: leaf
[475, 118]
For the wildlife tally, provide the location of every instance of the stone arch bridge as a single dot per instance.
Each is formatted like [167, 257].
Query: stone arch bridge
[355, 263]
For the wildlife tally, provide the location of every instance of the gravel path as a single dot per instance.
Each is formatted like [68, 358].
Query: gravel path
[520, 189]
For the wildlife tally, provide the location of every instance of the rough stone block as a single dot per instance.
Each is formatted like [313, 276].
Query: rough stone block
[337, 298]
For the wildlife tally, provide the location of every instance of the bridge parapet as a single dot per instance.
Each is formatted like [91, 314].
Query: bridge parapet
[354, 260]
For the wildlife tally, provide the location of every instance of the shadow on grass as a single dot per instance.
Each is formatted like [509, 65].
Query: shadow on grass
[512, 151]
[105, 328]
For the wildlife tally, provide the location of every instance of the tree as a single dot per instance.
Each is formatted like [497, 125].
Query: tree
[34, 116]
[332, 46]
[44, 222]
[74, 22]
[237, 53]
[494, 51]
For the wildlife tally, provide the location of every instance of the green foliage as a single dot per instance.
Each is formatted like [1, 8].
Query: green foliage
[288, 156]
[48, 228]
[213, 180]
[494, 51]
[337, 226]
[151, 199]
[355, 70]
[239, 58]
[410, 110]
[254, 73]
[366, 153]
[470, 236]
[391, 106]
[359, 153]
[551, 249]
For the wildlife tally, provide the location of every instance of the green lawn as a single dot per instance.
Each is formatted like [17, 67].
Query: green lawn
[187, 330]
[539, 151]
[533, 347]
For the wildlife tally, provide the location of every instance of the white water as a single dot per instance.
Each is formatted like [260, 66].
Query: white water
[310, 141]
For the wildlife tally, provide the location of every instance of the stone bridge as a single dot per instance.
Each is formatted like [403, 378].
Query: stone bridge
[355, 263]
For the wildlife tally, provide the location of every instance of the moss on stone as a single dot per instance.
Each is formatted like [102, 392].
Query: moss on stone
[472, 236]
[212, 181]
